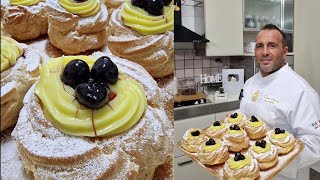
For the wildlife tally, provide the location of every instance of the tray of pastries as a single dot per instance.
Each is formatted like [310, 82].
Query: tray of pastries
[241, 148]
[87, 89]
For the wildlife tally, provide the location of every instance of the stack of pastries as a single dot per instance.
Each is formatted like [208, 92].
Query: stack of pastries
[19, 70]
[93, 115]
[216, 144]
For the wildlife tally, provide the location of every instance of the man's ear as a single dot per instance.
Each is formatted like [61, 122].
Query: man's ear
[285, 51]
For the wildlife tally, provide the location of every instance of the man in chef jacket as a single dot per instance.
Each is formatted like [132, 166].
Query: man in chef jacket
[283, 99]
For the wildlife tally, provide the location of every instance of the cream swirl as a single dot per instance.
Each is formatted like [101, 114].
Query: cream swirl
[154, 52]
[217, 156]
[236, 137]
[251, 171]
[142, 22]
[10, 51]
[266, 156]
[83, 9]
[216, 133]
[190, 142]
[236, 142]
[67, 115]
[241, 118]
[255, 132]
[24, 2]
[282, 142]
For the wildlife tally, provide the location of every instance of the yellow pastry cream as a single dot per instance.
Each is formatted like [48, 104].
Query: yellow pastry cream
[195, 134]
[232, 119]
[235, 131]
[83, 8]
[279, 136]
[235, 165]
[210, 148]
[10, 51]
[145, 23]
[24, 2]
[216, 128]
[255, 122]
[260, 149]
[60, 106]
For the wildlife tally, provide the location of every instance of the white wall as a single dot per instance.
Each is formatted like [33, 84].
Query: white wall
[307, 41]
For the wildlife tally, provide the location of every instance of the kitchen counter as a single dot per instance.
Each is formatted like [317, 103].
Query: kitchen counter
[204, 109]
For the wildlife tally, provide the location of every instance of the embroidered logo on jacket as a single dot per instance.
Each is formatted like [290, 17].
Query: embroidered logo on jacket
[270, 99]
[255, 96]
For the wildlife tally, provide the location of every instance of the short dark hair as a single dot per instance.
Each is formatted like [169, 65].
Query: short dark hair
[271, 27]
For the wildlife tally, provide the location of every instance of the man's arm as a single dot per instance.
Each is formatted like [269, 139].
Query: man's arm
[304, 117]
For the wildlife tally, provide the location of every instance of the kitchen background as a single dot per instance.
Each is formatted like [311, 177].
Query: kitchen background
[212, 36]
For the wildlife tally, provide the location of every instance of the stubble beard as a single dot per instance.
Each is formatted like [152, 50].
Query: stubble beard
[273, 66]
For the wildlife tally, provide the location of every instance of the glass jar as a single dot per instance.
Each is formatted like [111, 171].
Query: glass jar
[189, 86]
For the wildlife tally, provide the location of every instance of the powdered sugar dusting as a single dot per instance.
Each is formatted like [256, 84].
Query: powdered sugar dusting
[7, 87]
[40, 46]
[147, 144]
[101, 16]
[153, 52]
[34, 9]
[11, 166]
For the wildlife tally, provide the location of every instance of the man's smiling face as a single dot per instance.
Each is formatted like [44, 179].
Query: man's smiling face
[269, 51]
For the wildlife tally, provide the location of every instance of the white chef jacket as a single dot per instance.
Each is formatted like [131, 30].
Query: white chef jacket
[285, 100]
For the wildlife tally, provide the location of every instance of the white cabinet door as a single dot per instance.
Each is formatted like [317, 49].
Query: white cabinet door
[224, 27]
[181, 126]
[186, 169]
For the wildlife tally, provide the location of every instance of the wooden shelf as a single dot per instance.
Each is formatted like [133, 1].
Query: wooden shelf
[181, 98]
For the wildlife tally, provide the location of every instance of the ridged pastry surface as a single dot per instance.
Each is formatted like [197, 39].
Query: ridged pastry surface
[153, 52]
[250, 171]
[15, 82]
[74, 34]
[134, 154]
[24, 22]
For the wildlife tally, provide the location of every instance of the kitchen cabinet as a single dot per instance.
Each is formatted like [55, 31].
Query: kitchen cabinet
[223, 27]
[231, 26]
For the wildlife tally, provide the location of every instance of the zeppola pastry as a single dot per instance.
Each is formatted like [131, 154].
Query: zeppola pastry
[77, 26]
[241, 167]
[255, 128]
[107, 123]
[283, 140]
[236, 139]
[144, 36]
[19, 70]
[265, 153]
[236, 118]
[112, 5]
[213, 152]
[192, 139]
[24, 20]
[216, 130]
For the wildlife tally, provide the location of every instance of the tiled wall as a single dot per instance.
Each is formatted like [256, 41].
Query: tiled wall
[188, 64]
